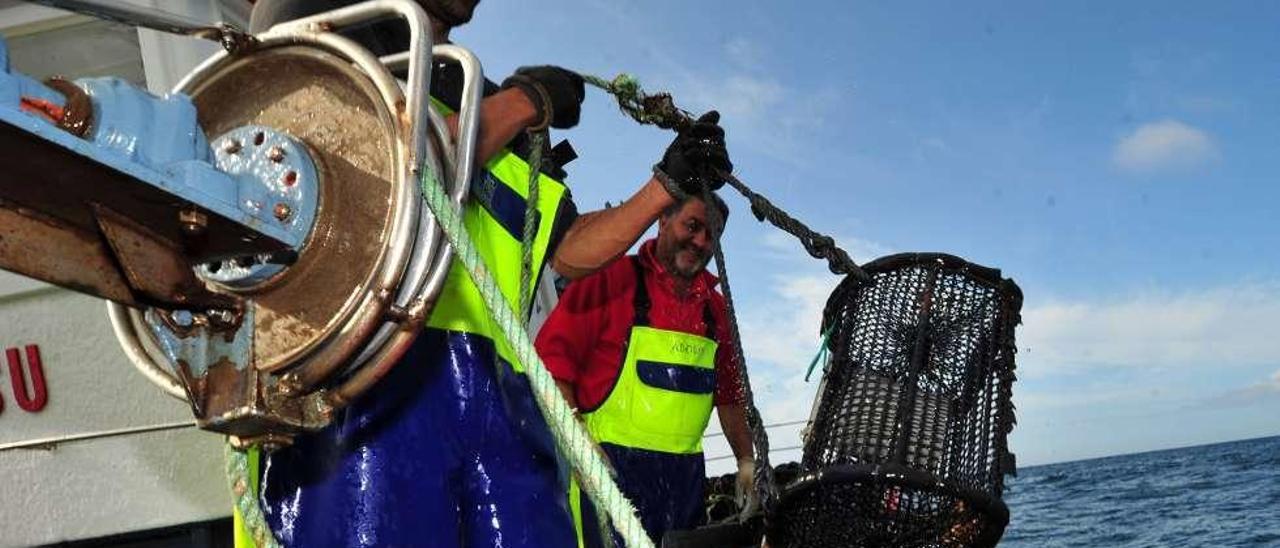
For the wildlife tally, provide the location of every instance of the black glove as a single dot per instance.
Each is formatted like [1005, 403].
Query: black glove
[557, 93]
[697, 156]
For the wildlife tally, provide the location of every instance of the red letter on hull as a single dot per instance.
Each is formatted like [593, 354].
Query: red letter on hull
[31, 403]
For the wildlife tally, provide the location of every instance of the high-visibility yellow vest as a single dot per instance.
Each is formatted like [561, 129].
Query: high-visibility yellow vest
[494, 218]
[664, 394]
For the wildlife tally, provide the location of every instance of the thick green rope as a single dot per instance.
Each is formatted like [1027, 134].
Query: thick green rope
[537, 140]
[569, 433]
[246, 497]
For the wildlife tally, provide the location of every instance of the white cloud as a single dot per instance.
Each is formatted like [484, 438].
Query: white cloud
[783, 332]
[1219, 327]
[740, 97]
[1267, 390]
[1167, 145]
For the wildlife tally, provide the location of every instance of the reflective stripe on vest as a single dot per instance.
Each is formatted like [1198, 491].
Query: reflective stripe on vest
[664, 394]
[494, 218]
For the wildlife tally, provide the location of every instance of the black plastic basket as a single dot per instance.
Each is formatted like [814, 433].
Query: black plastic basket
[908, 441]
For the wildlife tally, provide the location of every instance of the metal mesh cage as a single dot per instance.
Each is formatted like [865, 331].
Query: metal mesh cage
[907, 446]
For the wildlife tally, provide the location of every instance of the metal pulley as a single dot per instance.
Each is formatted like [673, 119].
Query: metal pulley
[319, 332]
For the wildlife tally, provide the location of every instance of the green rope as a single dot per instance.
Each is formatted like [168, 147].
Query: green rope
[246, 497]
[656, 109]
[822, 351]
[569, 434]
[537, 140]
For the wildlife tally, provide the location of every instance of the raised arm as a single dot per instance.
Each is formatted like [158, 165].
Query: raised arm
[597, 238]
[690, 161]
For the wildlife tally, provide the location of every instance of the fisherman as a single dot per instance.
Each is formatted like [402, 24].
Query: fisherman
[450, 449]
[642, 350]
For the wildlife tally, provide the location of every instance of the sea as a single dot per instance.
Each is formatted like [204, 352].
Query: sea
[1226, 494]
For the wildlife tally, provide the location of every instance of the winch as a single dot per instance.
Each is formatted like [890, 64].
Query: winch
[259, 232]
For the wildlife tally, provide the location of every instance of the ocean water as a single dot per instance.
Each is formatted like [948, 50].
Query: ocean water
[1226, 494]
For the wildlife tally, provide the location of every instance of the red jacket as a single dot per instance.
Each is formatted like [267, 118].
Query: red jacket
[583, 339]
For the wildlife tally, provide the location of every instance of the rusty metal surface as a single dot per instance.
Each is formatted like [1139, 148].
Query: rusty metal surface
[154, 266]
[319, 98]
[60, 183]
[241, 402]
[51, 250]
[77, 115]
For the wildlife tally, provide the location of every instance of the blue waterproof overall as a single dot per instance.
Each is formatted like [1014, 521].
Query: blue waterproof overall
[449, 449]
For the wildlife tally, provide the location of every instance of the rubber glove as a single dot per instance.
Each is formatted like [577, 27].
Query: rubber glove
[697, 156]
[556, 93]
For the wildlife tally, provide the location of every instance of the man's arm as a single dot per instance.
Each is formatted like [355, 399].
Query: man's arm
[503, 115]
[597, 238]
[733, 421]
[572, 331]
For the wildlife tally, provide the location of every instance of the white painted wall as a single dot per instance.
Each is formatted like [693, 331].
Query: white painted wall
[109, 485]
[91, 488]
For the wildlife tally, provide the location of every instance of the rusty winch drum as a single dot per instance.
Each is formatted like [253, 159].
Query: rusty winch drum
[317, 333]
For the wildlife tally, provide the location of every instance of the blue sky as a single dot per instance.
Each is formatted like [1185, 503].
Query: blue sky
[1116, 159]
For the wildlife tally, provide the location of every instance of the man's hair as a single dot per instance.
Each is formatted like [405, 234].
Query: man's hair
[681, 201]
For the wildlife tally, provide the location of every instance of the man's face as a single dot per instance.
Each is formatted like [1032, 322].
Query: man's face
[685, 240]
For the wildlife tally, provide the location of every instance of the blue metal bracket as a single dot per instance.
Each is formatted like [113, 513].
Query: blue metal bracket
[274, 175]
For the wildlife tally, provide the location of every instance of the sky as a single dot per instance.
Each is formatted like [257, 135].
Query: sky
[1117, 160]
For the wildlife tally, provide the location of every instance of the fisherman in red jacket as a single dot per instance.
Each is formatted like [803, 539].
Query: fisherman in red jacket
[642, 350]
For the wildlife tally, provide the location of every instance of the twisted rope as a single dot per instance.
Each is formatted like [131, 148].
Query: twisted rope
[660, 110]
[819, 246]
[246, 498]
[656, 109]
[766, 489]
[537, 140]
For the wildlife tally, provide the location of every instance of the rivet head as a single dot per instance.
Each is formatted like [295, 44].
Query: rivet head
[192, 221]
[282, 211]
[276, 154]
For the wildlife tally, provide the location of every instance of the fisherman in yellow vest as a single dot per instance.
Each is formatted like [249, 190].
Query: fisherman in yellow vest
[642, 350]
[450, 449]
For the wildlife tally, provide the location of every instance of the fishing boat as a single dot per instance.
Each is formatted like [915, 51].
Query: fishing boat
[190, 212]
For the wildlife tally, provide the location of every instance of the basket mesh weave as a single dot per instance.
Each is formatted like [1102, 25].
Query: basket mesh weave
[908, 441]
